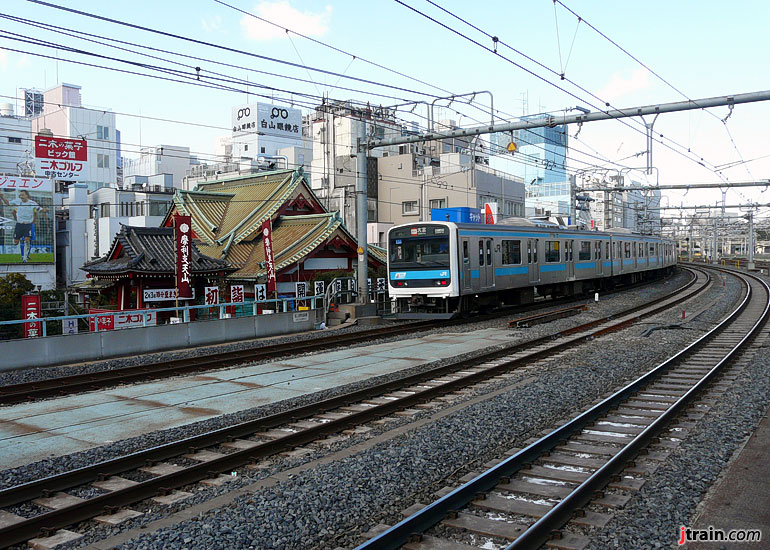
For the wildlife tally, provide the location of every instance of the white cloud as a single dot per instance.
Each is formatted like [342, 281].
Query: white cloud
[283, 14]
[211, 24]
[620, 85]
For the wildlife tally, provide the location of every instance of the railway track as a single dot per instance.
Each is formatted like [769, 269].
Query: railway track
[551, 492]
[67, 385]
[227, 449]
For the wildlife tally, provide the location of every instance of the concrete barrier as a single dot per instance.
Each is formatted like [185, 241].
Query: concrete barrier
[94, 346]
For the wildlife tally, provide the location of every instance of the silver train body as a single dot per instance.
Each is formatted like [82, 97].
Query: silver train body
[445, 268]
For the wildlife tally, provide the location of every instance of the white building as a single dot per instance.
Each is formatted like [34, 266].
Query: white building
[173, 160]
[16, 144]
[64, 114]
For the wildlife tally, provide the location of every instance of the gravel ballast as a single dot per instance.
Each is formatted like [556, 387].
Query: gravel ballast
[330, 505]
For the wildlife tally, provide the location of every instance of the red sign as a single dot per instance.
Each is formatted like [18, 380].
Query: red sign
[267, 237]
[183, 236]
[30, 309]
[61, 158]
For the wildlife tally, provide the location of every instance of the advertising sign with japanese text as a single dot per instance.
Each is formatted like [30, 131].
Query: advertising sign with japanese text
[122, 319]
[61, 158]
[260, 293]
[267, 239]
[183, 236]
[26, 220]
[236, 294]
[211, 295]
[267, 119]
[162, 295]
[301, 290]
[319, 288]
[30, 309]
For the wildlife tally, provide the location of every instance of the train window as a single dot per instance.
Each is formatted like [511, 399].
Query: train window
[585, 251]
[652, 249]
[552, 251]
[466, 253]
[627, 250]
[489, 251]
[641, 250]
[529, 252]
[534, 250]
[512, 252]
[607, 250]
[481, 252]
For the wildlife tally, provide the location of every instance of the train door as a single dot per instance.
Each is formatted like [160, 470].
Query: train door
[534, 273]
[568, 259]
[488, 271]
[466, 263]
[598, 257]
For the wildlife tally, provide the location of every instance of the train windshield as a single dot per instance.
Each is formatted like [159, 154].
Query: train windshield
[419, 252]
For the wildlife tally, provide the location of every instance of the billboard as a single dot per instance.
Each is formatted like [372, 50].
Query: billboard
[267, 119]
[61, 158]
[26, 220]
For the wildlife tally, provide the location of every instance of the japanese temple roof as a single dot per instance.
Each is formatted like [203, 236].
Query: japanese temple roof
[149, 250]
[230, 210]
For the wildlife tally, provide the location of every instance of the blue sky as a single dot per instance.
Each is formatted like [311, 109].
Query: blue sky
[702, 48]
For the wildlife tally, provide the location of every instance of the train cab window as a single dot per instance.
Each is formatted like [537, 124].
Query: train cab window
[512, 252]
[552, 253]
[489, 251]
[466, 253]
[481, 253]
[584, 253]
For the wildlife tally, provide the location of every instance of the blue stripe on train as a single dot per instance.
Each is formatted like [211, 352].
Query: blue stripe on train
[511, 270]
[585, 265]
[555, 267]
[411, 275]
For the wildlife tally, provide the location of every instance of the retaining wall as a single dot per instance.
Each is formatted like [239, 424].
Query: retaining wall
[93, 346]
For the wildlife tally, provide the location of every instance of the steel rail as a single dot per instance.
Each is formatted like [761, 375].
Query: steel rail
[432, 514]
[22, 531]
[66, 385]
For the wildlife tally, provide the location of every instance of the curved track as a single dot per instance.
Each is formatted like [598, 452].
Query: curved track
[554, 478]
[229, 448]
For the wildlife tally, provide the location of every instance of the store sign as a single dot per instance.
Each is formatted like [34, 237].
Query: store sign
[236, 294]
[26, 220]
[211, 295]
[121, 319]
[381, 286]
[183, 236]
[69, 326]
[162, 295]
[61, 158]
[31, 309]
[267, 239]
[268, 119]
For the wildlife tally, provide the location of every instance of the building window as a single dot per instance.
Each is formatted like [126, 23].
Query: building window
[409, 208]
[511, 252]
[585, 251]
[104, 210]
[246, 147]
[262, 150]
[14, 140]
[102, 161]
[158, 208]
[438, 203]
[552, 251]
[102, 132]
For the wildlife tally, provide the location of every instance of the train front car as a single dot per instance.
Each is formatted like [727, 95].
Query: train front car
[422, 269]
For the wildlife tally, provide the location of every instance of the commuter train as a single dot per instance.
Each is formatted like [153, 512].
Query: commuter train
[442, 269]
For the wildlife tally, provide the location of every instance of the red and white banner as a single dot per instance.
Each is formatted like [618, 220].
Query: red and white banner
[183, 237]
[31, 309]
[61, 158]
[211, 295]
[121, 319]
[267, 238]
[236, 294]
[162, 295]
[490, 213]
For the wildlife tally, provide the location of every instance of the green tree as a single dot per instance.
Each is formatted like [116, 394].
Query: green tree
[12, 287]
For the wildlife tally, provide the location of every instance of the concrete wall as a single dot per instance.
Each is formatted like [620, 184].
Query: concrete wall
[93, 346]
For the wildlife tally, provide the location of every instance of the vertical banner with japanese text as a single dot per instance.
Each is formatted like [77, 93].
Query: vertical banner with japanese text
[183, 236]
[31, 309]
[267, 238]
[236, 294]
[211, 295]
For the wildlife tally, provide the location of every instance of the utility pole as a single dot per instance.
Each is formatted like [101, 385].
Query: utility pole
[714, 243]
[362, 214]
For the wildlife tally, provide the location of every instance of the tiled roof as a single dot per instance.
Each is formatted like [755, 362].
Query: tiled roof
[149, 250]
[294, 237]
[228, 211]
[378, 252]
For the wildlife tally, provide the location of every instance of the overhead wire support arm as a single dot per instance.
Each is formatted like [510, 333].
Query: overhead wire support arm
[688, 105]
